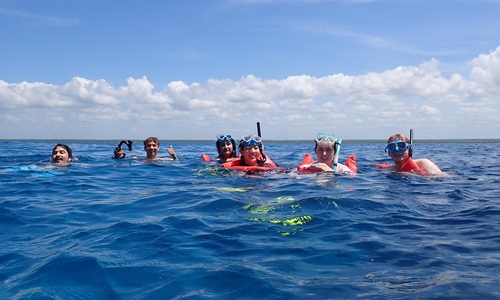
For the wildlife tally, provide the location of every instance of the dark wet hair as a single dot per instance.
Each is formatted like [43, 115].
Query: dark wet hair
[260, 162]
[66, 147]
[221, 155]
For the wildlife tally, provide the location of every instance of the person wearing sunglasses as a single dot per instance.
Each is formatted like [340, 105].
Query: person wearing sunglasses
[152, 146]
[398, 147]
[327, 148]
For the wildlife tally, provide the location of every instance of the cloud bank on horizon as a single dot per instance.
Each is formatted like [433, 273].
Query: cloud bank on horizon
[435, 99]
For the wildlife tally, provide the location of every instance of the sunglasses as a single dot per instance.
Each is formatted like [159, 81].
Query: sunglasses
[397, 146]
[251, 140]
[323, 137]
[224, 137]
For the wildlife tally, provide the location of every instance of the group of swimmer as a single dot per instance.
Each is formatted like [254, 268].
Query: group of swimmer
[62, 153]
[252, 156]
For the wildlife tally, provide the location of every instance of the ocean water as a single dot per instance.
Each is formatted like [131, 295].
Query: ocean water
[128, 229]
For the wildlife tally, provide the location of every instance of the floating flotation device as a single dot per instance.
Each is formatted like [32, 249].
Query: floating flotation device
[307, 161]
[411, 166]
[234, 164]
[408, 166]
[351, 164]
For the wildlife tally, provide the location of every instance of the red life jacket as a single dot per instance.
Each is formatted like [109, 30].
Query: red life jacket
[307, 161]
[269, 165]
[408, 166]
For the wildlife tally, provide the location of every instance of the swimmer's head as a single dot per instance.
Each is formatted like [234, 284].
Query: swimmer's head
[61, 153]
[226, 146]
[398, 136]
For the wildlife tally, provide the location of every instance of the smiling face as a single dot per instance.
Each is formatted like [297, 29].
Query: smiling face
[60, 155]
[250, 153]
[325, 152]
[151, 148]
[399, 157]
[226, 149]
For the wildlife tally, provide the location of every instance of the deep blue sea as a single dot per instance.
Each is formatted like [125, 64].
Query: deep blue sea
[128, 229]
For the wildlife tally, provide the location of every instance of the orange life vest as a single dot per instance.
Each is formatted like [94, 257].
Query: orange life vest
[307, 161]
[408, 166]
[269, 165]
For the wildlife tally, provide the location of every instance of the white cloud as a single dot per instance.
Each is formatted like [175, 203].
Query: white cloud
[485, 75]
[428, 110]
[291, 108]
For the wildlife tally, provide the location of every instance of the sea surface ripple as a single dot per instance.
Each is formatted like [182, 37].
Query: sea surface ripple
[129, 229]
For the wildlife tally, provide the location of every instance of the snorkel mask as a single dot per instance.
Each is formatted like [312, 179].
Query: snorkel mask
[323, 137]
[224, 137]
[397, 146]
[251, 140]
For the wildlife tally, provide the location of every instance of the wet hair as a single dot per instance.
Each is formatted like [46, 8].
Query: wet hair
[260, 162]
[151, 139]
[221, 155]
[398, 136]
[66, 147]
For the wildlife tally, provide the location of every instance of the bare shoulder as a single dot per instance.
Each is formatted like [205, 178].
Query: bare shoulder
[427, 165]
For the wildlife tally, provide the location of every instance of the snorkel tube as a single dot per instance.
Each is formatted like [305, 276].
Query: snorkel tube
[410, 150]
[336, 156]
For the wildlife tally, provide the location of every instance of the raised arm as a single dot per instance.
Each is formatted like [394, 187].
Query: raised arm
[172, 153]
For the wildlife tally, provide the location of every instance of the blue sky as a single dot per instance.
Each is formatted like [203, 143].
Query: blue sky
[194, 69]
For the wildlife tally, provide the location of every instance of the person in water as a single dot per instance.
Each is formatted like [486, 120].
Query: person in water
[226, 147]
[118, 153]
[325, 148]
[252, 152]
[61, 154]
[152, 146]
[398, 147]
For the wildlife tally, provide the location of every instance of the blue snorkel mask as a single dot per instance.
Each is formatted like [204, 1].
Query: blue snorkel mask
[224, 137]
[251, 140]
[397, 146]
